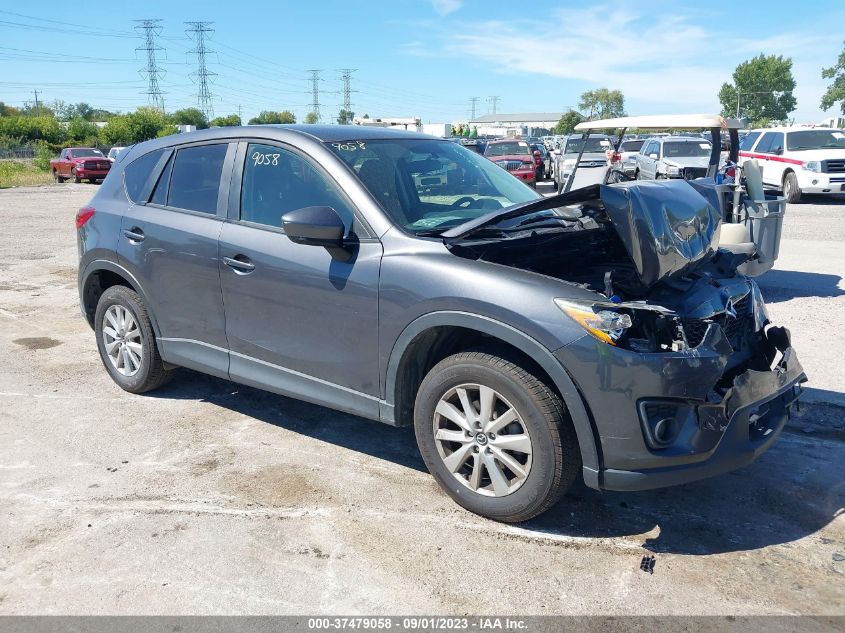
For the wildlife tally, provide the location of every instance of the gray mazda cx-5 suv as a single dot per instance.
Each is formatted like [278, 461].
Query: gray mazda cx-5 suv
[409, 280]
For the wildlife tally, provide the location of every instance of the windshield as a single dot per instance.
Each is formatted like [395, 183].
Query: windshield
[631, 146]
[507, 149]
[677, 149]
[594, 146]
[815, 139]
[86, 151]
[429, 185]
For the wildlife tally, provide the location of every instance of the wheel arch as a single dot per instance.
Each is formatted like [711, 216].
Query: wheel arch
[98, 276]
[432, 337]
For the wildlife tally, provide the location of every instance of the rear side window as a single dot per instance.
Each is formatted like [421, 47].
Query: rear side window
[770, 142]
[136, 173]
[195, 180]
[748, 141]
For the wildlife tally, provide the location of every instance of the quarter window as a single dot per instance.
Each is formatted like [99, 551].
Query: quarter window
[195, 180]
[137, 172]
[276, 181]
[160, 192]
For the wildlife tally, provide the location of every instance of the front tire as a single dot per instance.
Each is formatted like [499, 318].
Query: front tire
[496, 438]
[56, 176]
[126, 341]
[791, 189]
[75, 176]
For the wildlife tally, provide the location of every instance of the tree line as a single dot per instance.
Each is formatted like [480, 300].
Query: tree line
[762, 92]
[63, 125]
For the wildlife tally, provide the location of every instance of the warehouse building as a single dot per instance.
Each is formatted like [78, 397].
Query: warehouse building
[519, 124]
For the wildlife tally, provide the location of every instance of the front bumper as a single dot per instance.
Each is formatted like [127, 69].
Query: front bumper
[814, 182]
[92, 173]
[716, 433]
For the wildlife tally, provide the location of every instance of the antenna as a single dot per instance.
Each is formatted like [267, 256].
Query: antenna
[149, 30]
[199, 31]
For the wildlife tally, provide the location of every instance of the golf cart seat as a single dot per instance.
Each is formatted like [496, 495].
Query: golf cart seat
[735, 238]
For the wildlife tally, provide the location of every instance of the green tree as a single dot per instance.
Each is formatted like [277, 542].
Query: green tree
[345, 117]
[143, 124]
[567, 122]
[268, 117]
[81, 131]
[602, 103]
[7, 110]
[311, 117]
[762, 90]
[835, 91]
[226, 121]
[23, 129]
[190, 116]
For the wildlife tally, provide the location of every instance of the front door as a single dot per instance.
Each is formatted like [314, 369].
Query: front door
[298, 320]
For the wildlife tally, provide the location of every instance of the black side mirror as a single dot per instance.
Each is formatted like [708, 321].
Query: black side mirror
[317, 226]
[778, 151]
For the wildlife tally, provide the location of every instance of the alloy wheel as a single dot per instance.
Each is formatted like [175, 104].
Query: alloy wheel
[482, 440]
[122, 340]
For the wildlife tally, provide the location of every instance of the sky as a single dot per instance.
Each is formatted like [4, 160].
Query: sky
[423, 58]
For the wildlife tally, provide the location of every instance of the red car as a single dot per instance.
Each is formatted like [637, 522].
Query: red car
[515, 156]
[80, 163]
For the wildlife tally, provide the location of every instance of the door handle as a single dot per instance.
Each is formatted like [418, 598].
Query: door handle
[242, 265]
[134, 234]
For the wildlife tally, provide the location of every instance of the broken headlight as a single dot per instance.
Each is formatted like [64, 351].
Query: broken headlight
[605, 325]
[638, 327]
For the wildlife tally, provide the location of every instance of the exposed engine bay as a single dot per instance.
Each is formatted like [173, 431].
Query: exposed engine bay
[651, 249]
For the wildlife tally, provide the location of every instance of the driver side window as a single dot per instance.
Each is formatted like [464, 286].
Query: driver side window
[276, 181]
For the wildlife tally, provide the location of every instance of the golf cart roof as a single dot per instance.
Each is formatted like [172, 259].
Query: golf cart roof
[663, 122]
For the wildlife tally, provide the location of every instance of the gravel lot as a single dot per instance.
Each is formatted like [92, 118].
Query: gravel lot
[208, 497]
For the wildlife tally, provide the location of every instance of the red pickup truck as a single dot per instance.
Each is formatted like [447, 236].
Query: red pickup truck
[80, 163]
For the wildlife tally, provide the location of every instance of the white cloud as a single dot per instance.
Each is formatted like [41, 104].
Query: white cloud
[445, 7]
[662, 61]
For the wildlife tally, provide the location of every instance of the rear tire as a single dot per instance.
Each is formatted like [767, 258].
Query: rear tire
[523, 467]
[126, 341]
[791, 190]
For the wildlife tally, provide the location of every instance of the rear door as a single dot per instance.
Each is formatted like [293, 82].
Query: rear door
[298, 320]
[767, 155]
[169, 243]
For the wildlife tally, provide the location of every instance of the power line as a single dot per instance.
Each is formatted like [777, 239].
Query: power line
[315, 92]
[151, 29]
[198, 31]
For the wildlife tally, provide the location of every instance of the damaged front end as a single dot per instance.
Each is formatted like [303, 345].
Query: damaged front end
[682, 372]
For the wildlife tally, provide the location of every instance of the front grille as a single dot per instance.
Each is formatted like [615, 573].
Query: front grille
[834, 166]
[691, 173]
[510, 165]
[734, 328]
[92, 164]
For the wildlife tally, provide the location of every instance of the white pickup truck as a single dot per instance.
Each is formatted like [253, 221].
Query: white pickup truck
[798, 159]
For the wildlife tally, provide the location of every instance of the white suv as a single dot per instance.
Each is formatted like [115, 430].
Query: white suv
[798, 159]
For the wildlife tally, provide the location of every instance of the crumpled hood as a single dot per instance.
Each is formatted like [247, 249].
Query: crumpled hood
[667, 227]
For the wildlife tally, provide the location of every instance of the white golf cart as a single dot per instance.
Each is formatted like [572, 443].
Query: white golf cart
[751, 220]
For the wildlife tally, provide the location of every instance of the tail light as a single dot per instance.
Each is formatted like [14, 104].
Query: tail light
[615, 157]
[83, 215]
